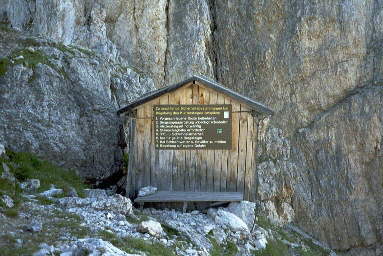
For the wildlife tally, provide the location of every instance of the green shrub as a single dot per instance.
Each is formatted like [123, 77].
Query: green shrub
[273, 248]
[28, 166]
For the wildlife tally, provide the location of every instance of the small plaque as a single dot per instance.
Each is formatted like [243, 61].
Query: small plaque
[192, 126]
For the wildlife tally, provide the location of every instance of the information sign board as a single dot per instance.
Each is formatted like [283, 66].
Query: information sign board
[192, 126]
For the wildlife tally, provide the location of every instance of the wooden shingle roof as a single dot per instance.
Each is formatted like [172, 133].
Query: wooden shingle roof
[256, 106]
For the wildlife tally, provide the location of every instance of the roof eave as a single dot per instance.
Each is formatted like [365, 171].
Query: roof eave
[256, 106]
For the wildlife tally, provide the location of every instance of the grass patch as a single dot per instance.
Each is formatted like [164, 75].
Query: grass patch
[312, 249]
[150, 248]
[219, 250]
[4, 27]
[44, 201]
[170, 230]
[58, 223]
[125, 161]
[12, 212]
[29, 166]
[134, 245]
[264, 222]
[273, 248]
[4, 65]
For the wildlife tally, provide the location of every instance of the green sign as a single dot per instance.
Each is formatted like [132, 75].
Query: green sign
[192, 126]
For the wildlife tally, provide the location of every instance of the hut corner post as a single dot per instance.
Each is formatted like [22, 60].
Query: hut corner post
[129, 124]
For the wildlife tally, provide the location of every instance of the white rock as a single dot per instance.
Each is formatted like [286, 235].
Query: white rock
[145, 191]
[7, 201]
[30, 185]
[231, 221]
[52, 192]
[45, 250]
[94, 247]
[151, 227]
[244, 210]
[191, 252]
[35, 226]
[2, 149]
[97, 193]
[260, 243]
[261, 235]
[7, 173]
[115, 203]
[212, 213]
[208, 228]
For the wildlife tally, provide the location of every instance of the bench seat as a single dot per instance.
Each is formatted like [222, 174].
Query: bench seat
[182, 196]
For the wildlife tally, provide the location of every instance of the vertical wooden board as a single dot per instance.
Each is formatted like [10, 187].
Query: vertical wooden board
[165, 159]
[189, 186]
[178, 155]
[233, 157]
[147, 141]
[224, 161]
[211, 168]
[249, 171]
[140, 127]
[218, 154]
[195, 174]
[154, 152]
[130, 177]
[242, 146]
[203, 99]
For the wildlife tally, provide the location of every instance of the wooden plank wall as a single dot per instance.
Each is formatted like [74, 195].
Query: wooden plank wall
[193, 170]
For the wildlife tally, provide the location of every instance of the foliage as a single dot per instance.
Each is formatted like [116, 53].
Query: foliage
[273, 248]
[133, 245]
[219, 250]
[28, 166]
[4, 64]
[125, 161]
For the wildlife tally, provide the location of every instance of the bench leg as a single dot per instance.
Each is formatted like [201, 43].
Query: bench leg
[184, 207]
[141, 206]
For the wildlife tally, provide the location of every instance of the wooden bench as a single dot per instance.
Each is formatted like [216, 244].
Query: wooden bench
[185, 197]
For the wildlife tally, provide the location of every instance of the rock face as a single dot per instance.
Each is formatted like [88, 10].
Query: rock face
[61, 102]
[318, 64]
[151, 227]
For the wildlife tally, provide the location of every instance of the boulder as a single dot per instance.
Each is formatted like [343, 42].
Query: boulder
[145, 191]
[7, 200]
[244, 210]
[31, 185]
[7, 173]
[34, 227]
[93, 246]
[70, 114]
[115, 203]
[52, 192]
[72, 192]
[151, 227]
[96, 193]
[231, 221]
[260, 238]
[2, 149]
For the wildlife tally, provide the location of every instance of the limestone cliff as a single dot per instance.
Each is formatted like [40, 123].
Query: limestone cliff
[61, 102]
[317, 63]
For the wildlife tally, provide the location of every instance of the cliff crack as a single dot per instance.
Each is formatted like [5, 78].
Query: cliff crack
[213, 49]
[167, 26]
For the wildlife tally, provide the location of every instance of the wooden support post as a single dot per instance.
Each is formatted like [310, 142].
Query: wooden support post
[184, 207]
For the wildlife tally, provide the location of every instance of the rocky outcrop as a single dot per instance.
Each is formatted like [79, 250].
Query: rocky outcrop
[60, 102]
[314, 62]
[341, 164]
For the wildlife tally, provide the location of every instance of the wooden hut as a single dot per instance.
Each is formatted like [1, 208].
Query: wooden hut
[196, 135]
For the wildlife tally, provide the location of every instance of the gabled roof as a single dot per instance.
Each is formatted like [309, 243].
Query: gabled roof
[256, 106]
